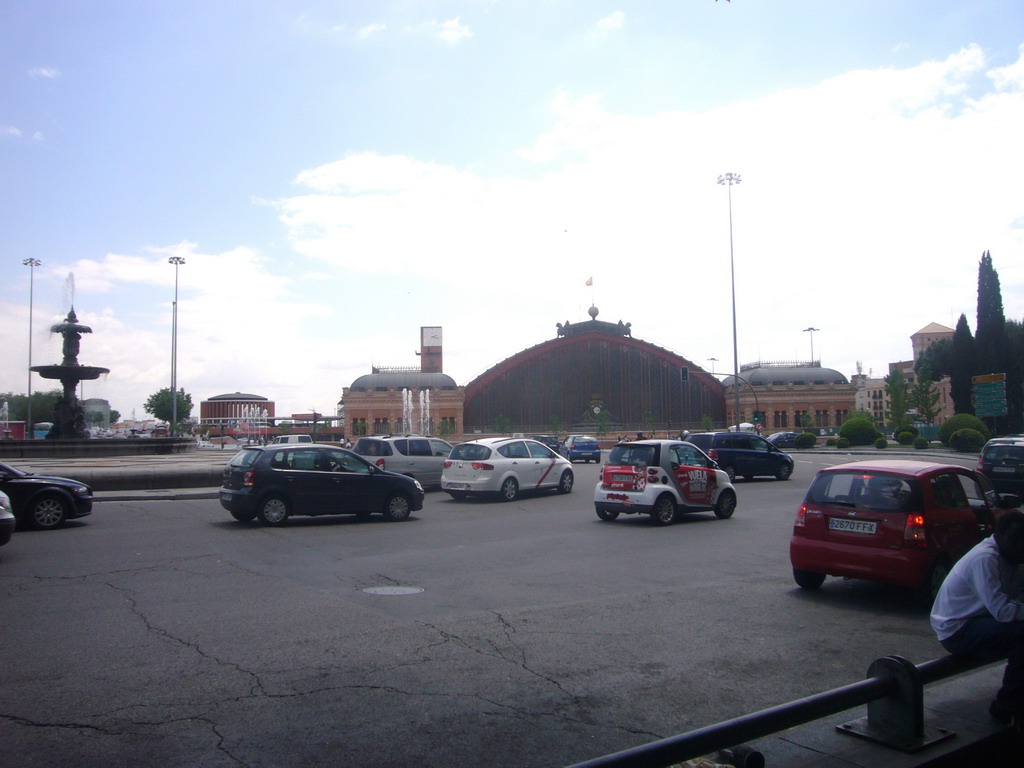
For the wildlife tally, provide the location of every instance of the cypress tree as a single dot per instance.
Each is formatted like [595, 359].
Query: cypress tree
[962, 368]
[990, 336]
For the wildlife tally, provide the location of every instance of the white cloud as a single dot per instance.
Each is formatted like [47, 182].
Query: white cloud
[616, 20]
[452, 31]
[371, 30]
[46, 72]
[10, 130]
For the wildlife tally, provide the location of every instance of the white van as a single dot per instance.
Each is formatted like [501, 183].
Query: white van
[280, 439]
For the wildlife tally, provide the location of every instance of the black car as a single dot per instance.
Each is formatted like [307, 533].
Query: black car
[744, 454]
[783, 439]
[7, 519]
[549, 440]
[276, 481]
[44, 502]
[1002, 462]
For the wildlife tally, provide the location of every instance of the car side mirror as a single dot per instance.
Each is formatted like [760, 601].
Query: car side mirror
[1009, 500]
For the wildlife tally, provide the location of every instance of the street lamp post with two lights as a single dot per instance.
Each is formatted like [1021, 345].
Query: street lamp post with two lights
[177, 261]
[727, 180]
[31, 264]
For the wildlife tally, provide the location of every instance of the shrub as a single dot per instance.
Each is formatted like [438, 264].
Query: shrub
[967, 440]
[962, 421]
[842, 442]
[859, 431]
[806, 440]
[905, 437]
[881, 443]
[831, 442]
[909, 428]
[920, 443]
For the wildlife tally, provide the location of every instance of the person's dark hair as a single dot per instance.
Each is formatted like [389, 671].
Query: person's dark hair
[1010, 523]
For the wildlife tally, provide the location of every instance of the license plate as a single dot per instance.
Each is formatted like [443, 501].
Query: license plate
[1007, 470]
[852, 526]
[458, 486]
[622, 478]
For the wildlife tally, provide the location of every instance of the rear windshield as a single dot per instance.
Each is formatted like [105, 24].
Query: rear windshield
[701, 441]
[366, 447]
[470, 452]
[244, 458]
[584, 441]
[863, 490]
[1012, 454]
[634, 455]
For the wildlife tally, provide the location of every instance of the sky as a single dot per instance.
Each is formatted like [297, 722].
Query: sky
[338, 174]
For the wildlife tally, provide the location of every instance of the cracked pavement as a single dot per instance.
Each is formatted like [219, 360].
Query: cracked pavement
[166, 634]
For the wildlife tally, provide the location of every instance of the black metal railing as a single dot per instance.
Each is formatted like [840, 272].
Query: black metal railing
[893, 692]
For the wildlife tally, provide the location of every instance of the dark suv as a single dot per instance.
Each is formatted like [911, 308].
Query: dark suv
[744, 454]
[1002, 462]
[276, 481]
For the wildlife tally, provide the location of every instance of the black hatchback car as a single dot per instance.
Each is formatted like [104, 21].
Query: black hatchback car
[44, 502]
[276, 481]
[1002, 462]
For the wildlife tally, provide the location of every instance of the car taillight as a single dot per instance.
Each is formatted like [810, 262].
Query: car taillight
[913, 531]
[801, 517]
[380, 463]
[481, 465]
[981, 461]
[248, 478]
[447, 464]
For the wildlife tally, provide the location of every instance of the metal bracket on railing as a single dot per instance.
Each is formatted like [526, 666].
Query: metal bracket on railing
[897, 719]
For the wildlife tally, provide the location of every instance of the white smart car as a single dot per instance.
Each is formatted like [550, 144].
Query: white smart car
[504, 466]
[663, 479]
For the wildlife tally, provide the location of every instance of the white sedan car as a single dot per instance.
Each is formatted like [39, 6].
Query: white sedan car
[505, 466]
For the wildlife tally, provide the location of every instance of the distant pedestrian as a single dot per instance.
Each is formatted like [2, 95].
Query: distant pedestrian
[979, 611]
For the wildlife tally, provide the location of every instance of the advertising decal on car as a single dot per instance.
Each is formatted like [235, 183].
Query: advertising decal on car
[697, 484]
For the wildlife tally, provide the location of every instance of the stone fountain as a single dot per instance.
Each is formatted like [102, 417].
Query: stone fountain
[68, 414]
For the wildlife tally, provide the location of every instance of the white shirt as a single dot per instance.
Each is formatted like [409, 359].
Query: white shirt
[980, 584]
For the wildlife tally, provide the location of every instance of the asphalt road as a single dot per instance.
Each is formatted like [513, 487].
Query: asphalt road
[166, 634]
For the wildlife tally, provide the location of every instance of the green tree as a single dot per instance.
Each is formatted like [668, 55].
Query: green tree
[1015, 375]
[42, 405]
[925, 396]
[938, 357]
[962, 367]
[555, 425]
[160, 405]
[115, 416]
[707, 423]
[501, 424]
[603, 422]
[898, 391]
[990, 332]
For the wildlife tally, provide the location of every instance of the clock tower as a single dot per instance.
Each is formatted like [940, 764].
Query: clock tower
[430, 350]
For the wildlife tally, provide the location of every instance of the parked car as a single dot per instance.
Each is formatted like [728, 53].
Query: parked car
[7, 519]
[663, 479]
[1002, 462]
[550, 441]
[899, 522]
[275, 482]
[413, 455]
[744, 454]
[289, 439]
[42, 501]
[783, 439]
[504, 466]
[581, 448]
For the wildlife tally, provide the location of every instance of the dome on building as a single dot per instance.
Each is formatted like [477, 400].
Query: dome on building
[781, 375]
[238, 397]
[412, 379]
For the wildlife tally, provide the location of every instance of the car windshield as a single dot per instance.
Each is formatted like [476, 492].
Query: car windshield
[862, 490]
[634, 455]
[470, 452]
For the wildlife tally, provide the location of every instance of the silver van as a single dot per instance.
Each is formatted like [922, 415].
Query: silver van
[417, 456]
[290, 439]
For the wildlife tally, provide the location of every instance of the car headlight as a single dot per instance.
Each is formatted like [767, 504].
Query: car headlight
[418, 486]
[81, 490]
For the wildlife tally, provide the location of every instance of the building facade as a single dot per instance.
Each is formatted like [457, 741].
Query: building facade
[790, 396]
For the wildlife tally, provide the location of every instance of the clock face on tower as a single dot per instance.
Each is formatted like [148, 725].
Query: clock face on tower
[431, 336]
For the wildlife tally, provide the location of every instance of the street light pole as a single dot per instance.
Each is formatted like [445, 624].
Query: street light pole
[31, 264]
[177, 261]
[811, 331]
[728, 179]
[712, 360]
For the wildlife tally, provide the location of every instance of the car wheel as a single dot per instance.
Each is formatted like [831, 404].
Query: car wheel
[47, 512]
[565, 483]
[926, 593]
[725, 505]
[509, 489]
[607, 514]
[808, 579]
[397, 508]
[731, 472]
[784, 472]
[243, 517]
[273, 511]
[664, 512]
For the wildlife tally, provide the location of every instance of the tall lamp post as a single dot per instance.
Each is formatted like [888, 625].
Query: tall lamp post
[728, 179]
[811, 331]
[712, 360]
[177, 261]
[31, 264]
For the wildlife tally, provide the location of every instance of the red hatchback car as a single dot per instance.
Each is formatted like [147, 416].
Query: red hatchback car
[897, 522]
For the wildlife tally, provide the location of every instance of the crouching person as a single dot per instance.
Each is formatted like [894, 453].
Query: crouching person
[979, 611]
